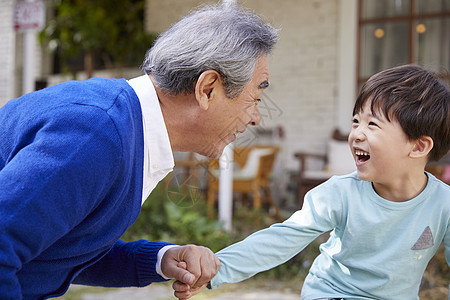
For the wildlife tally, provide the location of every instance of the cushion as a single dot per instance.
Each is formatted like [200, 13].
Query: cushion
[251, 165]
[340, 158]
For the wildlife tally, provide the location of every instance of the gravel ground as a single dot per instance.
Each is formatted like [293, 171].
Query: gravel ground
[164, 292]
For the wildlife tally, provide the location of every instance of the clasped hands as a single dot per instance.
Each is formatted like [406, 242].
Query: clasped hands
[191, 266]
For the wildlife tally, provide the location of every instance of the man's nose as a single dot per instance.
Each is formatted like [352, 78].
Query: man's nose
[255, 117]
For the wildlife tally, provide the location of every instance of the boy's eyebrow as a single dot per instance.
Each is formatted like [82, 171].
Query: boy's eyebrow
[263, 85]
[376, 115]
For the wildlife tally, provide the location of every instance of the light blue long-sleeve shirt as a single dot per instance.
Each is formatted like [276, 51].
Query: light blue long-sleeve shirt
[378, 249]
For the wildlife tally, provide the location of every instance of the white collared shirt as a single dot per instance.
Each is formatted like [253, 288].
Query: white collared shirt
[158, 155]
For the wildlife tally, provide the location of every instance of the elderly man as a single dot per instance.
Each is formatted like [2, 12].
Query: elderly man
[77, 160]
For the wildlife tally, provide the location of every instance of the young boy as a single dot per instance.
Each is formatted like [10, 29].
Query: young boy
[387, 219]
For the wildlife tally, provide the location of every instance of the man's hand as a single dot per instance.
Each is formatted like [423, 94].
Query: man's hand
[191, 265]
[182, 290]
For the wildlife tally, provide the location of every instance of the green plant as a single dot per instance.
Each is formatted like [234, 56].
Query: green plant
[164, 218]
[111, 30]
[178, 215]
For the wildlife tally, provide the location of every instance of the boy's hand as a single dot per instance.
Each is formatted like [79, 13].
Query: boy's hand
[182, 290]
[191, 265]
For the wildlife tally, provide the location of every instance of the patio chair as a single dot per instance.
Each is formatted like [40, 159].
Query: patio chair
[337, 160]
[252, 178]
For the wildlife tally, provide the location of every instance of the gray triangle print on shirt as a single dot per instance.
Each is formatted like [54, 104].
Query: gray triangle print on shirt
[425, 241]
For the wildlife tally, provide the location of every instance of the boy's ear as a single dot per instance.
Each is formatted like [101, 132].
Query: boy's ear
[204, 87]
[422, 147]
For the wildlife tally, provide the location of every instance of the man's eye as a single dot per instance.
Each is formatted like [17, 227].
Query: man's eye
[258, 100]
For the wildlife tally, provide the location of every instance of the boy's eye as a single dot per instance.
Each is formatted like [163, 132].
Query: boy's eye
[373, 123]
[355, 121]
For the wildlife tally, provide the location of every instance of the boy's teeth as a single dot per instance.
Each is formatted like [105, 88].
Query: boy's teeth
[358, 152]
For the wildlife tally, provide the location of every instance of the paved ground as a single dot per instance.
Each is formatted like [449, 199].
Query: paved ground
[164, 292]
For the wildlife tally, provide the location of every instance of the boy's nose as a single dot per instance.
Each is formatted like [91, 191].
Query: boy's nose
[357, 134]
[360, 136]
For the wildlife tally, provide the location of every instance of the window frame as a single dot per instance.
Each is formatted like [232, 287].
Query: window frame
[411, 17]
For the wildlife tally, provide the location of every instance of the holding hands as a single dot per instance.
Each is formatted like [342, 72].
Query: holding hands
[191, 266]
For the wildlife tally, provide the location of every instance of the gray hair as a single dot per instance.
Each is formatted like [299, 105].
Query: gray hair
[224, 38]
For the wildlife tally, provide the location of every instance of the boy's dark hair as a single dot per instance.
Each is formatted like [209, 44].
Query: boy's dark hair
[416, 98]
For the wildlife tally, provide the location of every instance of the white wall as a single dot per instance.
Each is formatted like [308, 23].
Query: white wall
[7, 50]
[312, 69]
[303, 71]
[347, 61]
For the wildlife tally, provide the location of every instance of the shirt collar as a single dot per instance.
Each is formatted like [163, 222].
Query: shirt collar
[156, 138]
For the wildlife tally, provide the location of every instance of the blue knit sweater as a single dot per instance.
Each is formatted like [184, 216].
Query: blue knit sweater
[71, 159]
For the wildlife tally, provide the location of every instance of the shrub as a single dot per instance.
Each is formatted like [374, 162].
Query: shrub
[177, 216]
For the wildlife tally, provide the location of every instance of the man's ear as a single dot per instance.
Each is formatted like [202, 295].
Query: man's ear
[422, 147]
[204, 87]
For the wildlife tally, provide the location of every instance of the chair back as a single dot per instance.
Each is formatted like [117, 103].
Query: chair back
[339, 158]
[252, 161]
[266, 163]
[253, 177]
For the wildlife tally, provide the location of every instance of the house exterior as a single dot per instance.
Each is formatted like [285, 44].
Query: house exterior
[7, 52]
[315, 70]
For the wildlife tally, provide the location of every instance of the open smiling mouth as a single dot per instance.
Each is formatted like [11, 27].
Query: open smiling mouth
[362, 156]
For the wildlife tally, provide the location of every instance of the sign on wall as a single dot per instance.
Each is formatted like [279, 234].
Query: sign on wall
[29, 15]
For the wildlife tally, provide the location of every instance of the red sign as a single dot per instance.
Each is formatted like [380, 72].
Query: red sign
[29, 15]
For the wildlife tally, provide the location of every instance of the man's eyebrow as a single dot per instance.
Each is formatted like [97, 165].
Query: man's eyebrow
[263, 85]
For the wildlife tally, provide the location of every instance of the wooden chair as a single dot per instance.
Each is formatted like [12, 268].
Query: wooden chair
[441, 168]
[337, 160]
[253, 177]
[190, 166]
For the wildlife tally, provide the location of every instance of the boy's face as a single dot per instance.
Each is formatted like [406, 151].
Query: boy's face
[380, 148]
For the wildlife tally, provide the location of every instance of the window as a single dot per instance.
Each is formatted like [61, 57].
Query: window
[395, 32]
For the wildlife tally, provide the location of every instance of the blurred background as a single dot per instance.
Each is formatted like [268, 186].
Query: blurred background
[327, 50]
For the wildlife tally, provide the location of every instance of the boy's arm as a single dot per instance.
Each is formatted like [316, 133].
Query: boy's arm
[261, 251]
[277, 244]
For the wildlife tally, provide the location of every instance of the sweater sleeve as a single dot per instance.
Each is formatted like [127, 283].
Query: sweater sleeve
[277, 244]
[127, 264]
[48, 185]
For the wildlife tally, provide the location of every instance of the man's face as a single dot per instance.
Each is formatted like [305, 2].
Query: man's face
[228, 117]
